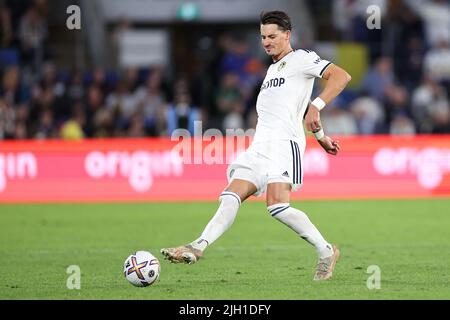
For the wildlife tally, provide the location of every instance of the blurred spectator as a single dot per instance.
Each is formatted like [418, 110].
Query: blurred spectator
[20, 131]
[72, 129]
[7, 120]
[239, 61]
[437, 63]
[122, 102]
[131, 78]
[436, 16]
[368, 113]
[410, 63]
[428, 96]
[236, 59]
[402, 125]
[103, 123]
[223, 45]
[32, 34]
[43, 103]
[99, 80]
[43, 7]
[343, 13]
[235, 118]
[181, 114]
[404, 41]
[6, 28]
[227, 94]
[10, 90]
[137, 127]
[75, 90]
[45, 125]
[50, 81]
[379, 77]
[397, 103]
[252, 118]
[441, 120]
[21, 115]
[94, 103]
[338, 121]
[150, 99]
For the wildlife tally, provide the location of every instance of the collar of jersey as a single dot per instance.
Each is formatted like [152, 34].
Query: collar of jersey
[283, 57]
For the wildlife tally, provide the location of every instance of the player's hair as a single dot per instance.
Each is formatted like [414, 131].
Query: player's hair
[279, 18]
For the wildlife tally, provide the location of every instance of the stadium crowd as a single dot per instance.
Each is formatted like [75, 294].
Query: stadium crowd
[405, 91]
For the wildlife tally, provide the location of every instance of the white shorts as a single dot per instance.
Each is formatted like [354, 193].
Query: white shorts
[269, 162]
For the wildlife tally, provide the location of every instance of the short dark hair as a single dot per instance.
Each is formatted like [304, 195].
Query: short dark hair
[279, 18]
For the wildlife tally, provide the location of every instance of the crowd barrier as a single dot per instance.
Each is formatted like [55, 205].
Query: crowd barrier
[108, 170]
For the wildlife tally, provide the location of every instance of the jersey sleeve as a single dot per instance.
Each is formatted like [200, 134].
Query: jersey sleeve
[313, 65]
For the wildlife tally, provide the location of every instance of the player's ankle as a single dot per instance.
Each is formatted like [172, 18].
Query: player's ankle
[325, 252]
[199, 244]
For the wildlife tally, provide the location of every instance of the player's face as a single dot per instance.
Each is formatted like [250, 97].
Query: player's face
[274, 40]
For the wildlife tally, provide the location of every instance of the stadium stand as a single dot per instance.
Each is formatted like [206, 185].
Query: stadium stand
[405, 89]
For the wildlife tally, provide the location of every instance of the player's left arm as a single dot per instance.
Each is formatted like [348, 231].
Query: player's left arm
[337, 79]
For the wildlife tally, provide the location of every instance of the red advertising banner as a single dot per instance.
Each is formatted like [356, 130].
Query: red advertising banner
[154, 169]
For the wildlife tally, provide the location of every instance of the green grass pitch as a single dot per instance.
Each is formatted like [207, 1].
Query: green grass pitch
[257, 258]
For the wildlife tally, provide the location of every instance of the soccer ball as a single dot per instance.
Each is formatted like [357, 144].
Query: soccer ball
[141, 269]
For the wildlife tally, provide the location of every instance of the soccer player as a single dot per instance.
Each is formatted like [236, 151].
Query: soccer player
[274, 161]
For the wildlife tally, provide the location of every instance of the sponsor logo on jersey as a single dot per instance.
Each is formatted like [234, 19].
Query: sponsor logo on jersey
[282, 65]
[272, 83]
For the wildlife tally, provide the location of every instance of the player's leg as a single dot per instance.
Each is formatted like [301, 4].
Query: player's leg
[230, 200]
[278, 198]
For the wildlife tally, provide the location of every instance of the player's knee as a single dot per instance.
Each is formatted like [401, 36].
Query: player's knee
[277, 208]
[277, 193]
[273, 200]
[230, 197]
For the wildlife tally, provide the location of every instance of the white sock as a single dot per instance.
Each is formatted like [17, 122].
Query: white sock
[300, 223]
[222, 220]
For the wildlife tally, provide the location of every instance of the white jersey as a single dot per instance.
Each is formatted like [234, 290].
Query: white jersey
[285, 95]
